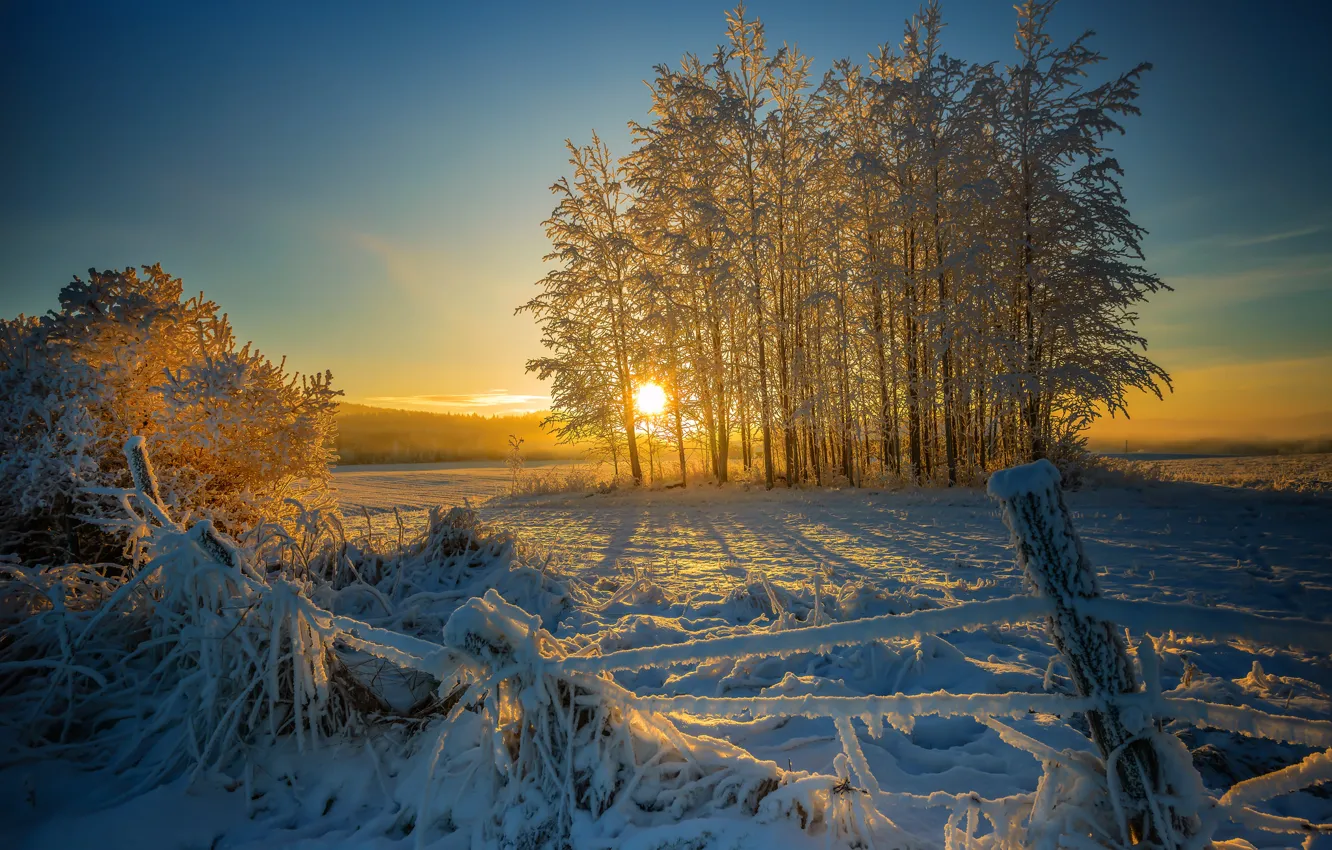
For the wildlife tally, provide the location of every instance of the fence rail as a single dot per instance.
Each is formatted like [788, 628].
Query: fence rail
[434, 659]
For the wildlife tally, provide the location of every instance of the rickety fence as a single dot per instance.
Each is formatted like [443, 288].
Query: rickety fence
[1146, 775]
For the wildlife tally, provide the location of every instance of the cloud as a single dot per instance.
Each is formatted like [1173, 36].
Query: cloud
[1302, 274]
[1277, 237]
[1190, 250]
[419, 272]
[490, 401]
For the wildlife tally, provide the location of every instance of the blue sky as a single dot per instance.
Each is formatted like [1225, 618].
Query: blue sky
[361, 185]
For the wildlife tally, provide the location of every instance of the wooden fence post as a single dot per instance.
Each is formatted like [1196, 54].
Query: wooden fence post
[1056, 567]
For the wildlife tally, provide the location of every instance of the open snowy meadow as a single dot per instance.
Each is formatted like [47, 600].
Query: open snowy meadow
[1170, 540]
[1266, 528]
[1310, 473]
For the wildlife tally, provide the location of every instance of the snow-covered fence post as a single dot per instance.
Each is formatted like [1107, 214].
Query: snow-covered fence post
[1056, 566]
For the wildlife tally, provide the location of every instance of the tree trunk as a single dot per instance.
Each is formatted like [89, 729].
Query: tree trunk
[913, 358]
[627, 408]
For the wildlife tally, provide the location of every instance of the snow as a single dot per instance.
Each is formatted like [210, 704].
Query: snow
[1309, 473]
[412, 487]
[1035, 477]
[702, 603]
[1158, 548]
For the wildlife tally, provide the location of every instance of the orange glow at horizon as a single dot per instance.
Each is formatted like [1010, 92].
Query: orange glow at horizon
[1272, 400]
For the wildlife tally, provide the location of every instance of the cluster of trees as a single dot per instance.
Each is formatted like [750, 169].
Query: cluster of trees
[916, 268]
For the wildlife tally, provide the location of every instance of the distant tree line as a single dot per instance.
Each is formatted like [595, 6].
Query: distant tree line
[916, 268]
[379, 435]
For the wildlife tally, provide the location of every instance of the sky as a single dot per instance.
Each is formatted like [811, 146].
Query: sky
[361, 185]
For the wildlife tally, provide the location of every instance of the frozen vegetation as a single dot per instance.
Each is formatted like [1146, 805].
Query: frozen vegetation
[698, 667]
[1310, 473]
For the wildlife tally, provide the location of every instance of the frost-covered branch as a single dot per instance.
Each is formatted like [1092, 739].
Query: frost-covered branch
[897, 710]
[1145, 617]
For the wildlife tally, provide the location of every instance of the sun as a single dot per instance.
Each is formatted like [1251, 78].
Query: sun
[650, 399]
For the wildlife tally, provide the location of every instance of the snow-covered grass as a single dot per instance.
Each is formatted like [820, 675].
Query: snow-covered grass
[573, 478]
[1309, 473]
[672, 593]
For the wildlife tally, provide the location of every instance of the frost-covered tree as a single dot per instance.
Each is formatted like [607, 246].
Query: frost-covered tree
[921, 269]
[684, 237]
[1076, 253]
[237, 436]
[744, 73]
[788, 161]
[587, 308]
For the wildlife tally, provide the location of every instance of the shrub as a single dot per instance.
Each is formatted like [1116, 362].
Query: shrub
[235, 434]
[182, 660]
[573, 478]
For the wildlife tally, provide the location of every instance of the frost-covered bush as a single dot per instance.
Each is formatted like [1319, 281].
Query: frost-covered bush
[235, 434]
[183, 659]
[414, 587]
[576, 478]
[1070, 455]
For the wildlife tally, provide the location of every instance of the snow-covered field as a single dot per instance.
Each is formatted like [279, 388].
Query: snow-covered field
[1303, 473]
[1269, 551]
[660, 568]
[1264, 551]
[417, 487]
